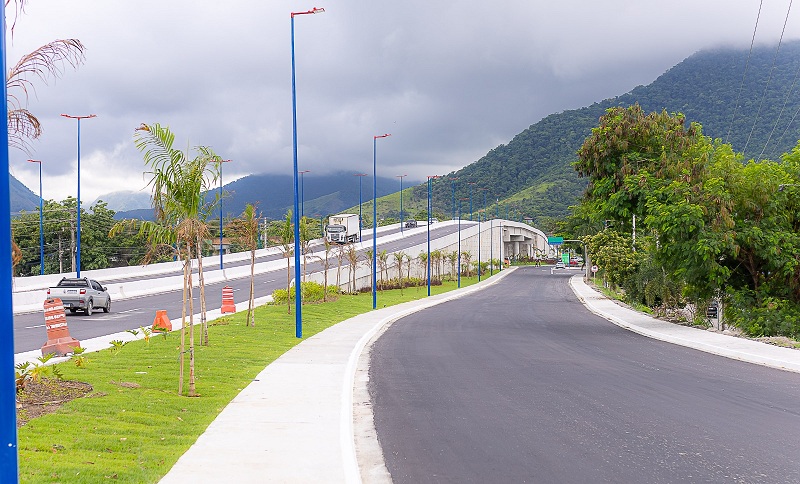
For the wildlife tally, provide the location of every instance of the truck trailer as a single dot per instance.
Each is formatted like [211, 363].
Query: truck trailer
[342, 228]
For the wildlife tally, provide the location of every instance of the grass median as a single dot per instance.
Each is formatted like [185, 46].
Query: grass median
[134, 426]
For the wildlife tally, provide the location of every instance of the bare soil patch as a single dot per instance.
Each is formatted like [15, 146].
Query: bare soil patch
[45, 396]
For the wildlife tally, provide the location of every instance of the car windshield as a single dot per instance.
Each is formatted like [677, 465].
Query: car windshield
[335, 228]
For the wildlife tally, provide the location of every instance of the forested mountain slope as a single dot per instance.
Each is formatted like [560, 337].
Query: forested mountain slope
[534, 172]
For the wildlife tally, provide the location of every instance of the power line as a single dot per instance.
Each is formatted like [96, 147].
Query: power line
[744, 74]
[769, 79]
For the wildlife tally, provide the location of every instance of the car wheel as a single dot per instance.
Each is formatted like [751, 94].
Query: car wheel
[107, 308]
[89, 307]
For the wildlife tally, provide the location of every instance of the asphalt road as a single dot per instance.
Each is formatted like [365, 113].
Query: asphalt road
[30, 332]
[520, 383]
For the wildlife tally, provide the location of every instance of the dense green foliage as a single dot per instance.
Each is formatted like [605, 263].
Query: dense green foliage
[98, 250]
[709, 225]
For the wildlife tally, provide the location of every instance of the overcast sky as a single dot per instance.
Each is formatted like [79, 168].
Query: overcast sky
[448, 80]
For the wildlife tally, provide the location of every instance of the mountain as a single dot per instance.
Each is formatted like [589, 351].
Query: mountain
[756, 113]
[22, 198]
[274, 195]
[125, 200]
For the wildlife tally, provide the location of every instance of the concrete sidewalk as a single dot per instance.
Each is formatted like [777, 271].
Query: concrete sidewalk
[717, 343]
[298, 421]
[307, 416]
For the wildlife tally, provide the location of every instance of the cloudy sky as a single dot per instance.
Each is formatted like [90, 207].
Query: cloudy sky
[448, 80]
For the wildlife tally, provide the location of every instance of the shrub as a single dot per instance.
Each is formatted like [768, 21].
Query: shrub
[312, 292]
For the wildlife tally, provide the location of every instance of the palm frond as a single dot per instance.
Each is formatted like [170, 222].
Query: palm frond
[45, 63]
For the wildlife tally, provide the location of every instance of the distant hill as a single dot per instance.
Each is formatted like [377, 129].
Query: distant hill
[22, 198]
[125, 200]
[533, 172]
[324, 195]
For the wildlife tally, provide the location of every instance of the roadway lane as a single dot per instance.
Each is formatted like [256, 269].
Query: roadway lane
[520, 383]
[30, 333]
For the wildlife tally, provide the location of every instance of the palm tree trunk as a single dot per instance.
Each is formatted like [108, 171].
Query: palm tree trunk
[251, 310]
[203, 321]
[288, 283]
[183, 325]
[191, 332]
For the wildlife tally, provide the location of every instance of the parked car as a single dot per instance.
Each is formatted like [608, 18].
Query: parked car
[560, 265]
[82, 294]
[410, 224]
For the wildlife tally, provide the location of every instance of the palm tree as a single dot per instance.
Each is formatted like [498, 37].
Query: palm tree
[399, 257]
[245, 232]
[340, 256]
[423, 261]
[465, 259]
[352, 258]
[178, 184]
[383, 261]
[452, 258]
[286, 236]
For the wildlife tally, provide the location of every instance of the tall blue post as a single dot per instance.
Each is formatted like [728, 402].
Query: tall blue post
[428, 225]
[298, 317]
[360, 219]
[9, 465]
[401, 201]
[479, 246]
[459, 244]
[454, 196]
[375, 218]
[78, 219]
[298, 304]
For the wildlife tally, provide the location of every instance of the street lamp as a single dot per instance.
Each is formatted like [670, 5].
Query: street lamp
[297, 289]
[220, 211]
[453, 181]
[430, 177]
[78, 211]
[360, 221]
[459, 240]
[471, 185]
[303, 193]
[480, 214]
[41, 220]
[9, 454]
[375, 216]
[401, 200]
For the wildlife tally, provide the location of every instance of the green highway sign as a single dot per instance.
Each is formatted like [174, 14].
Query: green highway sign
[555, 240]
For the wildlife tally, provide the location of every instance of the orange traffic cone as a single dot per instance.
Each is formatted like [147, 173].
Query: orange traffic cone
[227, 300]
[161, 323]
[59, 340]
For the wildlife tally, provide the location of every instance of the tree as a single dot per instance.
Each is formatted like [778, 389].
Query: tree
[286, 238]
[383, 262]
[178, 184]
[399, 257]
[245, 233]
[422, 258]
[466, 257]
[352, 258]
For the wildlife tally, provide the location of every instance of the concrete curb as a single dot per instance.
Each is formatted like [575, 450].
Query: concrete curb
[728, 346]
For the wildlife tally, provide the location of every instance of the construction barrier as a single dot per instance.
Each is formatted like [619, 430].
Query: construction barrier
[59, 341]
[161, 323]
[227, 300]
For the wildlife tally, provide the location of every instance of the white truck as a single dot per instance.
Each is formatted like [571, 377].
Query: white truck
[342, 228]
[82, 294]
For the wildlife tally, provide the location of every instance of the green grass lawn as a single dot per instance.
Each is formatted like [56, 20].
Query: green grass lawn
[134, 426]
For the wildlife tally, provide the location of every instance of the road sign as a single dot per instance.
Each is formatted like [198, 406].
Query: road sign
[595, 269]
[565, 259]
[712, 312]
[555, 240]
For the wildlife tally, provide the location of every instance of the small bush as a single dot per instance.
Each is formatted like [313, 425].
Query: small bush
[312, 292]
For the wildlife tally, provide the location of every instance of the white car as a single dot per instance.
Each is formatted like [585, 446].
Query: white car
[560, 265]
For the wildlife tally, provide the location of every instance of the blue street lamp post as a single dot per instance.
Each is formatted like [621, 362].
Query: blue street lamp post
[360, 221]
[9, 463]
[480, 214]
[459, 240]
[375, 217]
[430, 177]
[303, 193]
[41, 220]
[401, 200]
[78, 210]
[471, 185]
[297, 291]
[453, 181]
[220, 211]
